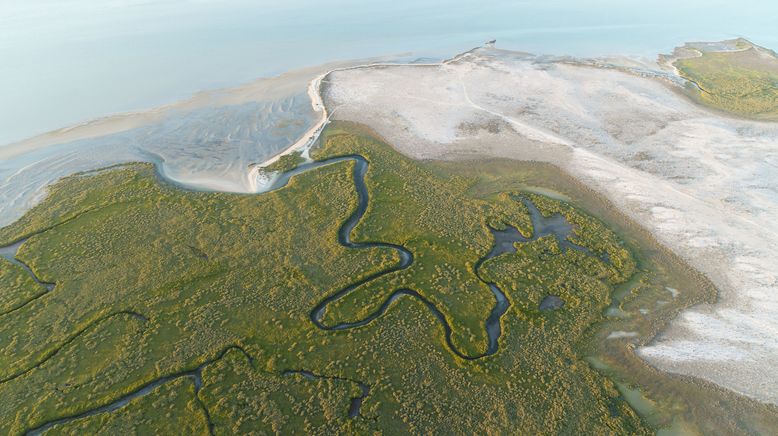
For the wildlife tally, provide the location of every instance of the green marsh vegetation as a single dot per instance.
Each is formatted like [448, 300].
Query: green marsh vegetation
[743, 81]
[17, 287]
[285, 163]
[660, 287]
[175, 412]
[153, 282]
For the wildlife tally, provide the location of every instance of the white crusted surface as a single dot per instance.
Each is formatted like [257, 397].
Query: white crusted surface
[704, 184]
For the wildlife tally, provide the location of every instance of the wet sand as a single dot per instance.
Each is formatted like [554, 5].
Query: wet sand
[209, 142]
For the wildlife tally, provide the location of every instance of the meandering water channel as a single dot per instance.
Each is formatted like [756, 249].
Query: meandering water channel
[9, 252]
[555, 225]
[504, 242]
[195, 375]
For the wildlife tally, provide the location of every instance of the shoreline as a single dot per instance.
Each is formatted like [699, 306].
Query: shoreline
[286, 83]
[317, 102]
[125, 121]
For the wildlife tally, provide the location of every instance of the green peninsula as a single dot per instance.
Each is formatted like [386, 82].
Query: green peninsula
[735, 76]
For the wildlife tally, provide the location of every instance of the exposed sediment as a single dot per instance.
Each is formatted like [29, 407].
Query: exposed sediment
[703, 184]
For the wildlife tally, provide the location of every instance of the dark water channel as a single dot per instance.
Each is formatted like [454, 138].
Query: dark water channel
[504, 242]
[9, 252]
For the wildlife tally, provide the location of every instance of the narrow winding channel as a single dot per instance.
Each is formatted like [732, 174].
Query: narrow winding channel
[195, 375]
[504, 242]
[9, 252]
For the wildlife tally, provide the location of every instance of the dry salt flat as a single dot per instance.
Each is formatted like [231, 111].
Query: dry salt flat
[704, 184]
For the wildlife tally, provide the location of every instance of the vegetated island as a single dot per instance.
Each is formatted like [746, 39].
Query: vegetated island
[736, 76]
[173, 309]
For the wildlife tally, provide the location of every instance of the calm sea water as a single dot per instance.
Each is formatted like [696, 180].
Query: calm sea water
[67, 61]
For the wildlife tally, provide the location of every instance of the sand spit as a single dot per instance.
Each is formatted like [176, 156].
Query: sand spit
[215, 141]
[210, 142]
[704, 184]
[315, 92]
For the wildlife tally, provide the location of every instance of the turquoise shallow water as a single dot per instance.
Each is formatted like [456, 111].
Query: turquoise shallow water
[67, 61]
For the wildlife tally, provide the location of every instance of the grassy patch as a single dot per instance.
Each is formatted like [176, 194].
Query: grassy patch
[175, 412]
[17, 287]
[153, 281]
[743, 82]
[285, 163]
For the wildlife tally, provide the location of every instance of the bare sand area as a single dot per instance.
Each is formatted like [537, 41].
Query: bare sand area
[210, 142]
[706, 185]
